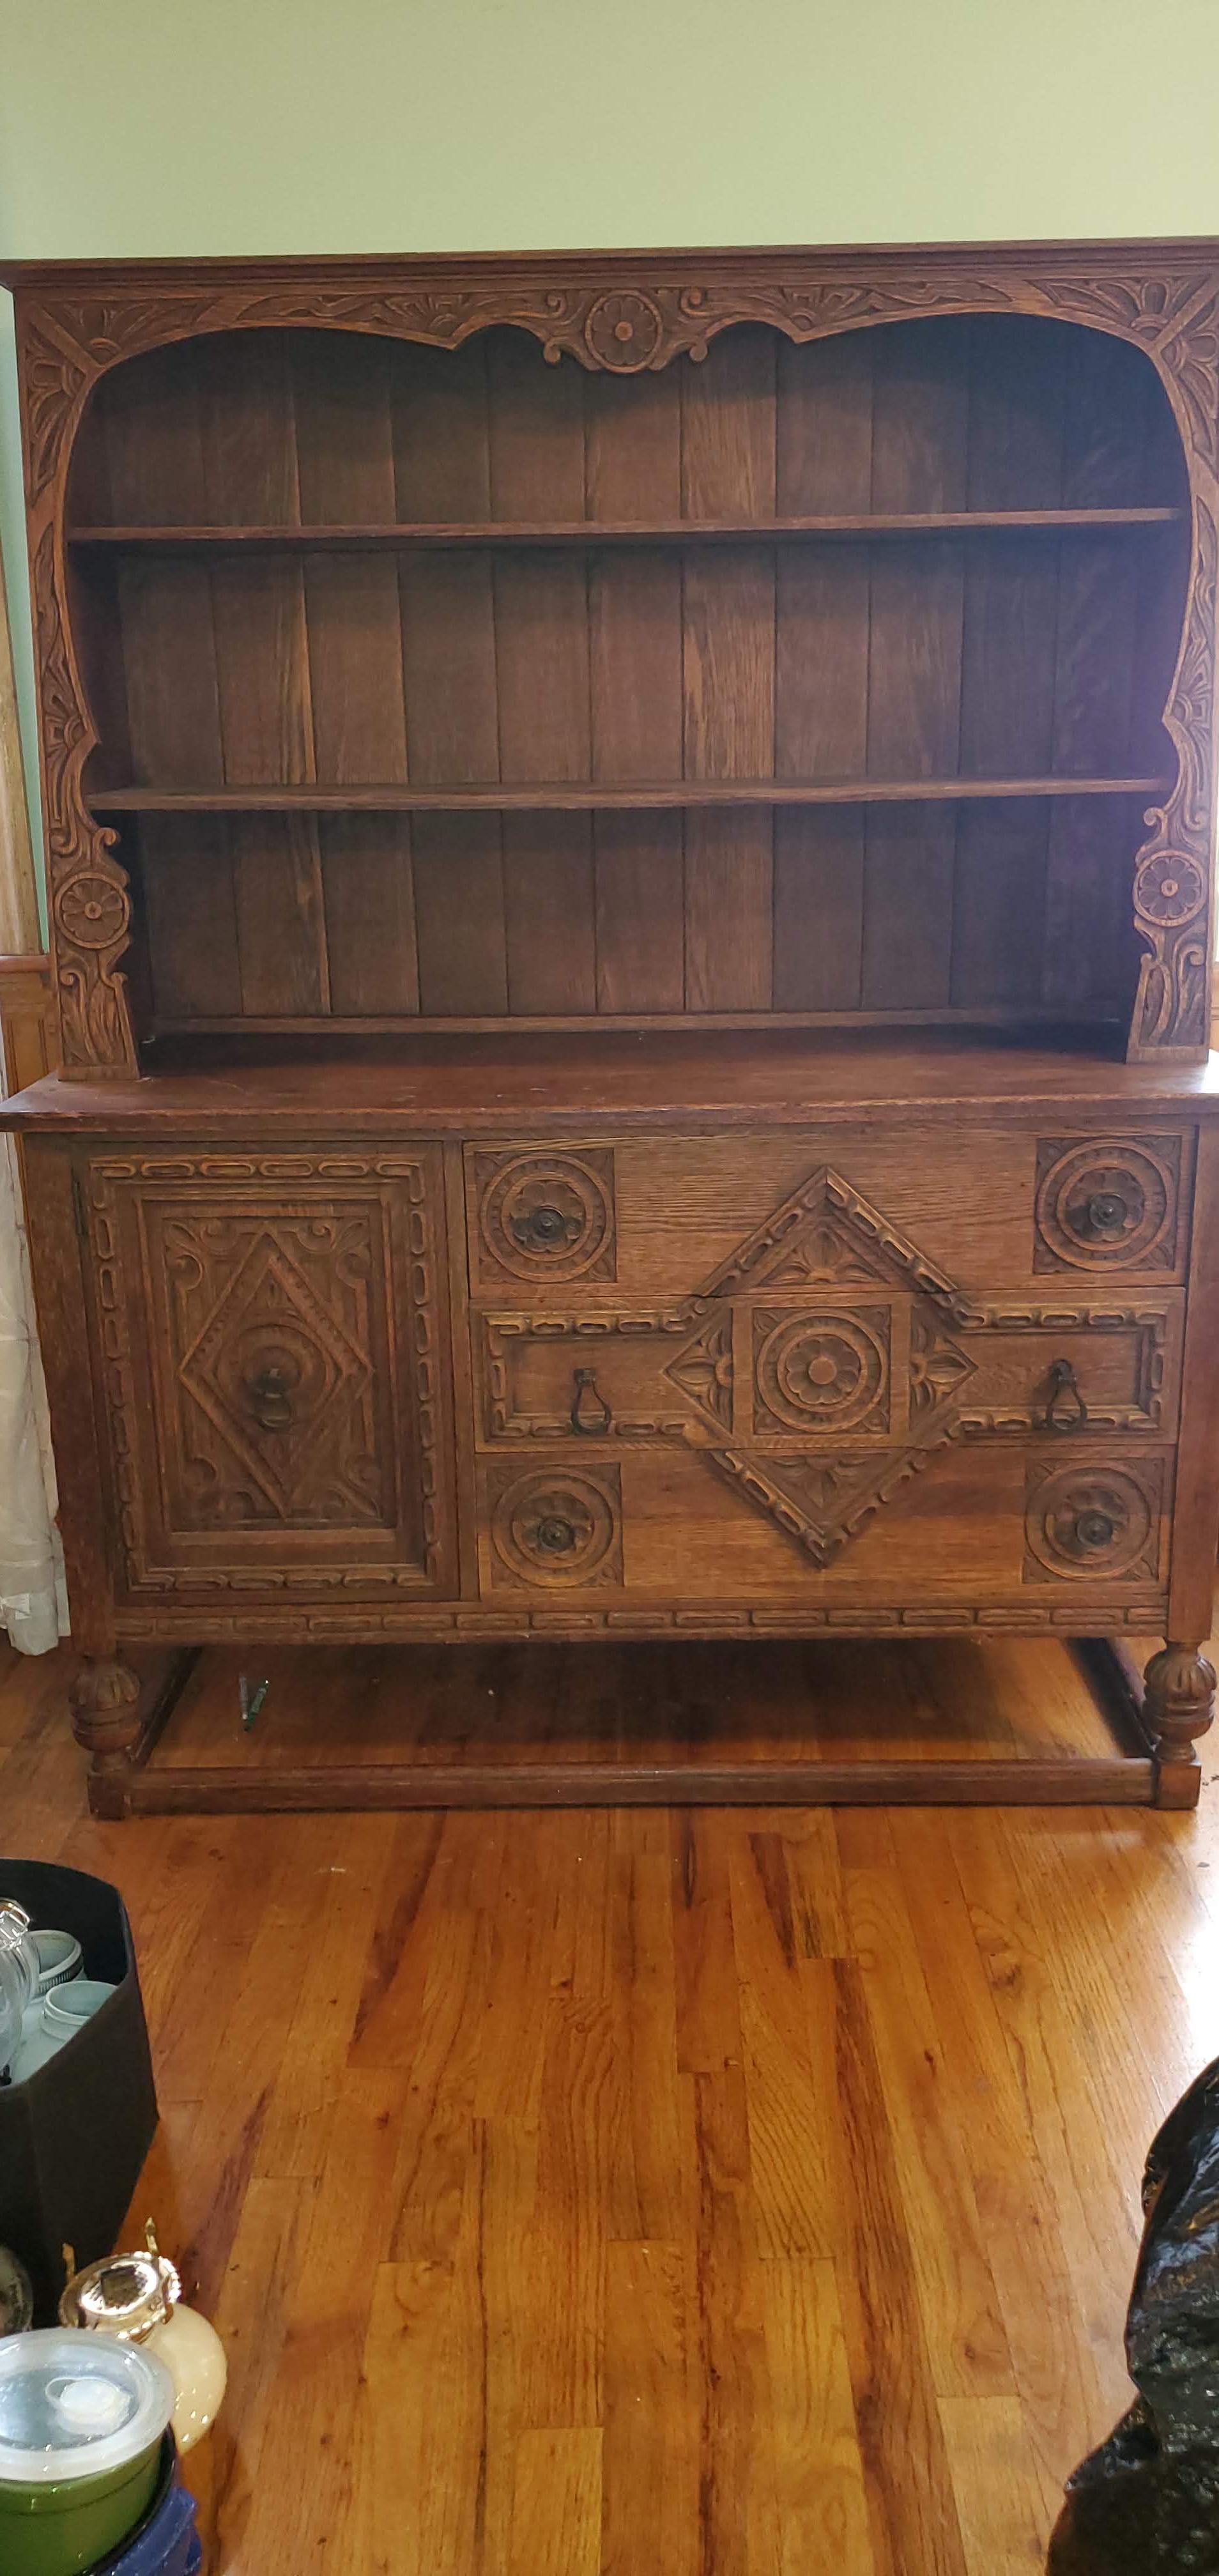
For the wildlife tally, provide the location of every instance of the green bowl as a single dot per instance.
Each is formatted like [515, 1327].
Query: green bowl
[60, 2530]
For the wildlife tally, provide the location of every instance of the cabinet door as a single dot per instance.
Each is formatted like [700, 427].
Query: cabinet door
[272, 1344]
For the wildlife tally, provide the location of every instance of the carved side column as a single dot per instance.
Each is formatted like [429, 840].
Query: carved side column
[1172, 872]
[1178, 1707]
[90, 907]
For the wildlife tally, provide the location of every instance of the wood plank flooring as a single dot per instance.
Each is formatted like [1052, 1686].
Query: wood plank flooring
[718, 2193]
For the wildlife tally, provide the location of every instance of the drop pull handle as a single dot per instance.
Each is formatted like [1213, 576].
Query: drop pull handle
[589, 1411]
[270, 1399]
[1065, 1409]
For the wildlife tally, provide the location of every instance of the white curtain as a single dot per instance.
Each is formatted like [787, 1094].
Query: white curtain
[33, 1606]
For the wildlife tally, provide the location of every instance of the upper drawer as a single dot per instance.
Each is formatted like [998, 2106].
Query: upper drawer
[975, 1210]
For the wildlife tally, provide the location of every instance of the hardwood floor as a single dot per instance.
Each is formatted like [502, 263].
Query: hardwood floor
[719, 2193]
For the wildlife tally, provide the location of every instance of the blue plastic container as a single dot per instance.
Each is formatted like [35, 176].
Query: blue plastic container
[166, 2542]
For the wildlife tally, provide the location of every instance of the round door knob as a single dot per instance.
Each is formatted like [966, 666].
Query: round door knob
[1095, 1529]
[556, 1535]
[1106, 1212]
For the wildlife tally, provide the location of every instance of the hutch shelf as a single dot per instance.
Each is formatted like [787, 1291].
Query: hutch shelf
[630, 851]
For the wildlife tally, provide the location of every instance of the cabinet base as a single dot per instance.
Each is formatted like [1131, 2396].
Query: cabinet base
[1140, 1771]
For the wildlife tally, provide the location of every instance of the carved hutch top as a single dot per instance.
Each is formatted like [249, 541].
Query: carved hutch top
[421, 645]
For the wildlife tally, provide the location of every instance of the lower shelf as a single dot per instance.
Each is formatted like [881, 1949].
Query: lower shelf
[1000, 1722]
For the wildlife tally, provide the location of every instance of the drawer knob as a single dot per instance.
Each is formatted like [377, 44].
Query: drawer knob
[541, 1228]
[555, 1534]
[270, 1399]
[589, 1411]
[1095, 1529]
[1106, 1214]
[1065, 1409]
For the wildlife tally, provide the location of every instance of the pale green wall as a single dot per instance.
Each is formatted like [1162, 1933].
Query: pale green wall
[137, 126]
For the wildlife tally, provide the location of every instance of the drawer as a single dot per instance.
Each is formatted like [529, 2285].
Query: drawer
[799, 1372]
[1051, 1531]
[649, 1222]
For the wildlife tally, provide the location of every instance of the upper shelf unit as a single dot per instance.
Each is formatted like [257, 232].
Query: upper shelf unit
[450, 683]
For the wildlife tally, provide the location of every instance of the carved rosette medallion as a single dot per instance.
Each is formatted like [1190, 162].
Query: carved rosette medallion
[822, 1373]
[92, 911]
[1169, 889]
[1107, 1206]
[1096, 1521]
[559, 1530]
[623, 332]
[545, 1217]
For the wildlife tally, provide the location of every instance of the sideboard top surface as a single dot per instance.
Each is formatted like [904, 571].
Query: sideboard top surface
[728, 1079]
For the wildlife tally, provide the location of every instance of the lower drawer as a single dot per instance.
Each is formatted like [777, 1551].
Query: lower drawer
[1044, 1524]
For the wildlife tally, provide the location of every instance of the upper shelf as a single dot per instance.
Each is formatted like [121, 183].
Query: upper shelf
[588, 795]
[591, 532]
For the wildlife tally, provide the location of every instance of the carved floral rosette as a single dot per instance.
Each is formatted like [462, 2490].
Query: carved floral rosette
[627, 317]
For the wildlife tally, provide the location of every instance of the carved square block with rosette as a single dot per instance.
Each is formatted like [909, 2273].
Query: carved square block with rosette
[544, 1216]
[821, 1373]
[553, 1529]
[1096, 1520]
[1109, 1204]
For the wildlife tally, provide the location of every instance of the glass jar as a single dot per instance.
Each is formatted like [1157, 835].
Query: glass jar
[19, 1969]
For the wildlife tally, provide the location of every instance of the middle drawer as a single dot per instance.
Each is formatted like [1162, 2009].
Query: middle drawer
[805, 1374]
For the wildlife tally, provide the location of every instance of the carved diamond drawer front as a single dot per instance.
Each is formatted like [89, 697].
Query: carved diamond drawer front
[821, 1374]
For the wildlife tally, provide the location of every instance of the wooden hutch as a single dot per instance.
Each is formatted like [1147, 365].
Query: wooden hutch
[630, 847]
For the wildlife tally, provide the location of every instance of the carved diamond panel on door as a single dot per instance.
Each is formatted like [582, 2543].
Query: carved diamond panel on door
[274, 1370]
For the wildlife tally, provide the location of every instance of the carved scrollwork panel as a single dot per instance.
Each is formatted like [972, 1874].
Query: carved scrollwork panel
[543, 1217]
[1108, 1204]
[826, 1234]
[90, 908]
[1094, 1520]
[821, 1503]
[1172, 889]
[555, 1530]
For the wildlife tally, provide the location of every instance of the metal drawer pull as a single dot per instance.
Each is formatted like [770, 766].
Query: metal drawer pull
[270, 1399]
[1065, 1410]
[589, 1410]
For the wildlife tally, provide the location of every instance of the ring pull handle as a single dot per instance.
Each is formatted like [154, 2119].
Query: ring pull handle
[1065, 1409]
[270, 1399]
[589, 1411]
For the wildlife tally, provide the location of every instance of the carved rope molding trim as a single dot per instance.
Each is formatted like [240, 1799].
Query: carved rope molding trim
[430, 1626]
[1168, 307]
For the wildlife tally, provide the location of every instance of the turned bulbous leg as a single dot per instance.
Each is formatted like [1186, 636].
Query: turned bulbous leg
[1179, 1706]
[104, 1700]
